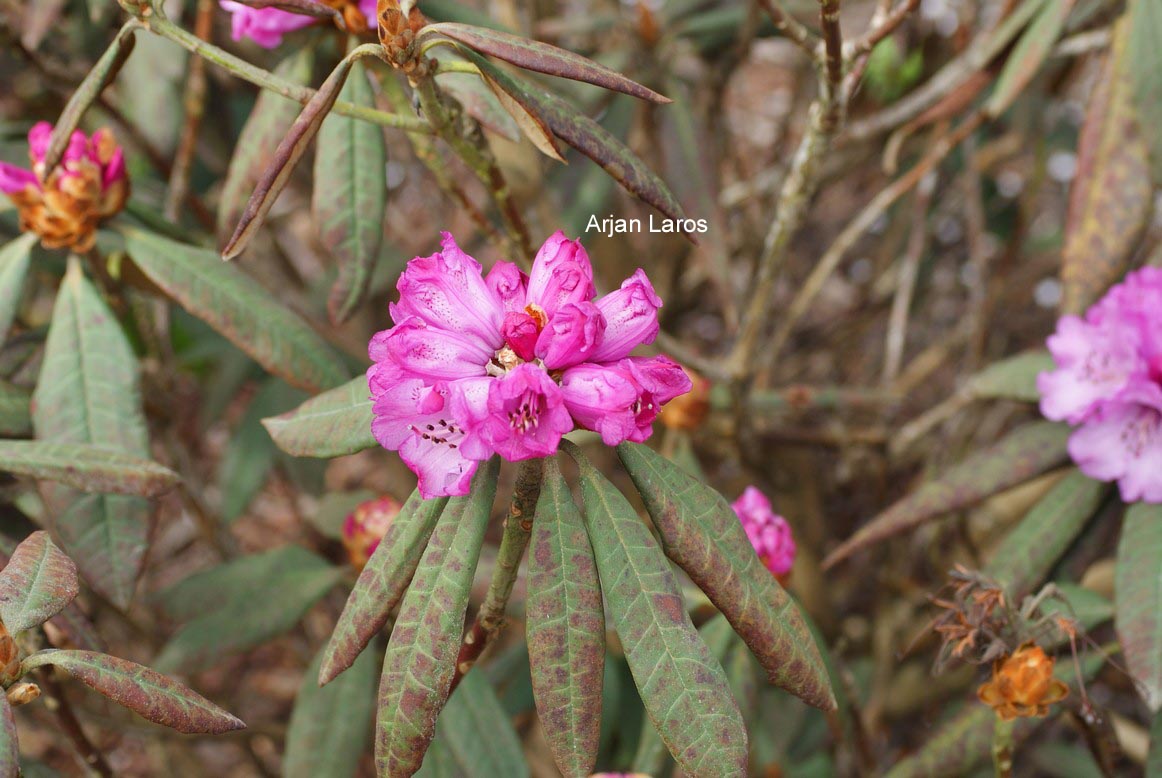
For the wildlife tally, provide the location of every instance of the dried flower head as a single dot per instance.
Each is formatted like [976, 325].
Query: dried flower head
[22, 693]
[507, 363]
[1108, 381]
[65, 207]
[1023, 684]
[769, 532]
[365, 526]
[688, 411]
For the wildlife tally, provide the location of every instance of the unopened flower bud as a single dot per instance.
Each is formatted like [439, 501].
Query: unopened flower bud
[1023, 684]
[688, 411]
[366, 526]
[22, 693]
[768, 532]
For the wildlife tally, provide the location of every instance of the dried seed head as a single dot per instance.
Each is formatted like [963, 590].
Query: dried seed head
[1023, 684]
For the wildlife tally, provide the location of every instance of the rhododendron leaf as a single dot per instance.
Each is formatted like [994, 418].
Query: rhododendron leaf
[588, 137]
[286, 157]
[566, 628]
[88, 468]
[88, 392]
[146, 692]
[965, 740]
[1111, 197]
[251, 454]
[542, 58]
[15, 410]
[475, 736]
[350, 196]
[14, 258]
[1023, 454]
[474, 95]
[531, 125]
[1028, 54]
[9, 744]
[332, 424]
[242, 604]
[682, 685]
[1138, 586]
[268, 123]
[330, 726]
[38, 582]
[1013, 378]
[382, 583]
[239, 308]
[87, 92]
[425, 641]
[1145, 62]
[701, 532]
[1031, 549]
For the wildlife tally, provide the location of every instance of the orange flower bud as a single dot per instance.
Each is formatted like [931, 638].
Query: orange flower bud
[1023, 684]
[23, 693]
[366, 526]
[688, 411]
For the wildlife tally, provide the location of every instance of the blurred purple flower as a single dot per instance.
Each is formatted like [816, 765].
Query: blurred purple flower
[266, 26]
[1109, 382]
[506, 364]
[769, 532]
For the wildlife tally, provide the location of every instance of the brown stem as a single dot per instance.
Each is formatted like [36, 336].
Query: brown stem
[832, 56]
[789, 26]
[518, 527]
[194, 105]
[69, 724]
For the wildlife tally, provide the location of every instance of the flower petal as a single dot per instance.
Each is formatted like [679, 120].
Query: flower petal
[526, 414]
[423, 351]
[571, 336]
[631, 318]
[508, 283]
[15, 179]
[601, 398]
[561, 274]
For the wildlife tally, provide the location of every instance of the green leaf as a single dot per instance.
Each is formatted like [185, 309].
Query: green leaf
[474, 736]
[382, 583]
[1029, 53]
[330, 726]
[421, 655]
[89, 393]
[290, 150]
[1138, 584]
[683, 687]
[565, 628]
[350, 196]
[702, 533]
[588, 137]
[242, 604]
[1023, 454]
[15, 411]
[88, 468]
[267, 124]
[1145, 62]
[1014, 378]
[14, 258]
[9, 744]
[38, 582]
[473, 94]
[1030, 550]
[332, 424]
[146, 692]
[1154, 759]
[1111, 197]
[250, 455]
[542, 58]
[239, 308]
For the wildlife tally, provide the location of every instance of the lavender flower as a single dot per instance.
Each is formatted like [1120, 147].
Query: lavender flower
[769, 532]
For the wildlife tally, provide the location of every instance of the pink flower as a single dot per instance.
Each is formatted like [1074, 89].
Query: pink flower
[365, 526]
[266, 26]
[64, 208]
[1109, 381]
[769, 532]
[503, 364]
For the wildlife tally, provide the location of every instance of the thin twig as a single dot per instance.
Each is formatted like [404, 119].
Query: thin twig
[906, 280]
[789, 26]
[882, 28]
[832, 59]
[194, 106]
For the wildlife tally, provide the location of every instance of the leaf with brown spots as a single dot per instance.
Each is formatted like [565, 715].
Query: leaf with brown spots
[9, 745]
[421, 654]
[1111, 197]
[38, 582]
[88, 468]
[683, 687]
[702, 533]
[382, 583]
[146, 692]
[1138, 587]
[1025, 453]
[566, 628]
[333, 423]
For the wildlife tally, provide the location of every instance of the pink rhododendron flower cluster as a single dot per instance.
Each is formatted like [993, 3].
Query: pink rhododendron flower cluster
[266, 26]
[769, 532]
[64, 208]
[1108, 382]
[507, 363]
